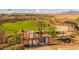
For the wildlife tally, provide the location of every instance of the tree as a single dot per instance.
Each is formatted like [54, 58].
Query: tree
[40, 26]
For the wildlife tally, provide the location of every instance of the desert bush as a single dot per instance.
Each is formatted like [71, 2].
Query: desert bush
[2, 46]
[52, 31]
[16, 39]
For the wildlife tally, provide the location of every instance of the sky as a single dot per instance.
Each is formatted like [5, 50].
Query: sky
[36, 10]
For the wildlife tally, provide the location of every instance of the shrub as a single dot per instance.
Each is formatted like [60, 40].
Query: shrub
[16, 39]
[52, 31]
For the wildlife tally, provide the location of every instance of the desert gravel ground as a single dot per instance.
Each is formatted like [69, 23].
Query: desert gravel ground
[57, 47]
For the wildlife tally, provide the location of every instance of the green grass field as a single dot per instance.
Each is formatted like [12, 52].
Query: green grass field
[76, 21]
[19, 25]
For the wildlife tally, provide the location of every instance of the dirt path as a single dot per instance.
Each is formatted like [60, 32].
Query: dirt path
[57, 47]
[39, 48]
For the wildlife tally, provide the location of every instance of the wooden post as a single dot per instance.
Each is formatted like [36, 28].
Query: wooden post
[6, 40]
[38, 41]
[28, 39]
[23, 34]
[28, 35]
[1, 37]
[0, 41]
[32, 42]
[33, 39]
[28, 43]
[46, 41]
